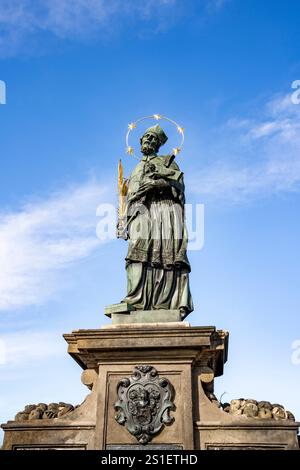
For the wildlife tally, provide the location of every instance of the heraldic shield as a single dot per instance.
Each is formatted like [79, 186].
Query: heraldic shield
[144, 403]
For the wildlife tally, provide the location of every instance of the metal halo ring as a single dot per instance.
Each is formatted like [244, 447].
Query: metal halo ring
[157, 117]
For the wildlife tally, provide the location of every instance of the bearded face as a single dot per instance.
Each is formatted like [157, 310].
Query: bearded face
[149, 144]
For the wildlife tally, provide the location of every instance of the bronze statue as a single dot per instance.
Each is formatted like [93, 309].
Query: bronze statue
[152, 219]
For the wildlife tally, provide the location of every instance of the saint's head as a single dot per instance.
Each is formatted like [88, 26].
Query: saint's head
[152, 140]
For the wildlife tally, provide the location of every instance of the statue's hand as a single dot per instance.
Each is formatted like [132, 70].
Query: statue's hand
[144, 187]
[165, 174]
[150, 184]
[159, 183]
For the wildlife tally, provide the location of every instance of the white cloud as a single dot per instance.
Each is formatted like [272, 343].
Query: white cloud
[283, 118]
[272, 146]
[20, 19]
[216, 4]
[44, 238]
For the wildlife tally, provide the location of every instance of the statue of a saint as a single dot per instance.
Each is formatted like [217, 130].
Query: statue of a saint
[156, 263]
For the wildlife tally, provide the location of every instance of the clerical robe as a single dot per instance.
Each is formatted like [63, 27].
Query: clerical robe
[156, 263]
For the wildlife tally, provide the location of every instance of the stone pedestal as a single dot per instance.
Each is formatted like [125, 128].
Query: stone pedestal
[180, 357]
[175, 350]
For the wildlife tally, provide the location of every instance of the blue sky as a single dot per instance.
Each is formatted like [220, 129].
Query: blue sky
[77, 72]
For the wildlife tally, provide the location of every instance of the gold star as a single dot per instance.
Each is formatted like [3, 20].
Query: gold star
[131, 126]
[180, 129]
[129, 150]
[157, 116]
[176, 150]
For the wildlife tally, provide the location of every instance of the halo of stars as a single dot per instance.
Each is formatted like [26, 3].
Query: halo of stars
[156, 117]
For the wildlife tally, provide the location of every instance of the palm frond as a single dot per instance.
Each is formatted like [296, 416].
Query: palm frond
[123, 189]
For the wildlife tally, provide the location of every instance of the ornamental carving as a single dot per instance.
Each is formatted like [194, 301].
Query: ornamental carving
[44, 411]
[144, 403]
[257, 409]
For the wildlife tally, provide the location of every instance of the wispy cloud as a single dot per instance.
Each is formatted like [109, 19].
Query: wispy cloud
[216, 4]
[23, 19]
[282, 117]
[272, 146]
[44, 238]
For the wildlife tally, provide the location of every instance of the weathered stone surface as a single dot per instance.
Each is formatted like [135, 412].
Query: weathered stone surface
[257, 409]
[43, 411]
[89, 377]
[75, 430]
[206, 375]
[189, 358]
[121, 308]
[202, 345]
[145, 326]
[217, 430]
[146, 316]
[108, 430]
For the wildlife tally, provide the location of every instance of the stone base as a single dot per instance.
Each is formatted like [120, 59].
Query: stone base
[121, 308]
[188, 358]
[124, 313]
[146, 316]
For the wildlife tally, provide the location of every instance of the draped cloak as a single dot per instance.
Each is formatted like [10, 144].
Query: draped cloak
[156, 263]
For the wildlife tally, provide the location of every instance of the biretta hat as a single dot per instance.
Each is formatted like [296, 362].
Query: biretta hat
[157, 130]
